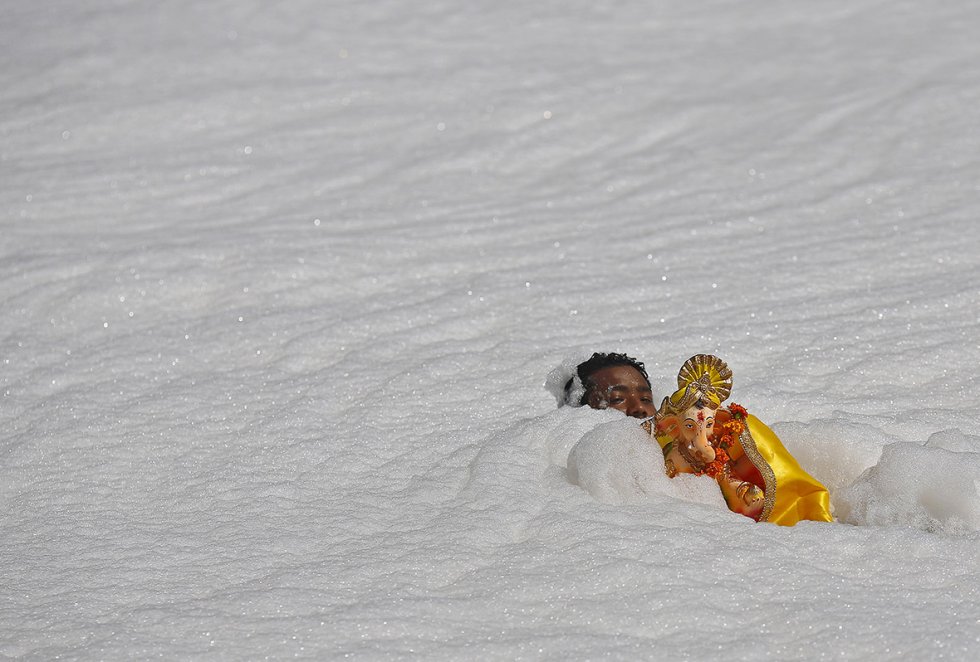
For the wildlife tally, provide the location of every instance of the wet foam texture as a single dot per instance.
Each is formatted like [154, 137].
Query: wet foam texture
[282, 283]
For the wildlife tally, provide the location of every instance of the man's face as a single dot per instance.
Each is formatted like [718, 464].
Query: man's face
[621, 387]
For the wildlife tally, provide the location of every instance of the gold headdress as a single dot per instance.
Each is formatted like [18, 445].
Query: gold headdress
[702, 377]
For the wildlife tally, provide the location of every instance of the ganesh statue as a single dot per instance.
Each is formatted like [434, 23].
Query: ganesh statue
[757, 475]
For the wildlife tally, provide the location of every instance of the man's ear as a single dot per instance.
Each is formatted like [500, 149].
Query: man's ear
[593, 397]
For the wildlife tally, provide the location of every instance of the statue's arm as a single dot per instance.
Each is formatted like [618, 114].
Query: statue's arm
[742, 496]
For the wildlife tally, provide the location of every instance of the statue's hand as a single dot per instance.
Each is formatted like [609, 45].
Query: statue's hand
[749, 493]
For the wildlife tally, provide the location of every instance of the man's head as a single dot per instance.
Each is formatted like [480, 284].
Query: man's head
[615, 381]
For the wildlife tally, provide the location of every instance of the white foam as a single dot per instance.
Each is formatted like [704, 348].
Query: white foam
[559, 377]
[280, 283]
[618, 462]
[928, 488]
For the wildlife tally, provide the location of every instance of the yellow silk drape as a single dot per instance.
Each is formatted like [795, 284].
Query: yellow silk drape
[791, 493]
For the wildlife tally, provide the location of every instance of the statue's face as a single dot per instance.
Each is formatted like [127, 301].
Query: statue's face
[696, 427]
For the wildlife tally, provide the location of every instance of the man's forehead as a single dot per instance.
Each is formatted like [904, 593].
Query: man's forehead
[626, 387]
[623, 377]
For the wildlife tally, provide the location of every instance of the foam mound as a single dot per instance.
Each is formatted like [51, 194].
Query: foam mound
[930, 488]
[617, 462]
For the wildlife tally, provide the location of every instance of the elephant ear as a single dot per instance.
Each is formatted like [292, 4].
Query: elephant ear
[666, 423]
[665, 427]
[707, 375]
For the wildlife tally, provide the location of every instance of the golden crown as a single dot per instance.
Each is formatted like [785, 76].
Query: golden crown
[702, 377]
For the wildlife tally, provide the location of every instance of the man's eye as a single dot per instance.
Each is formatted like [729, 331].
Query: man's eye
[616, 401]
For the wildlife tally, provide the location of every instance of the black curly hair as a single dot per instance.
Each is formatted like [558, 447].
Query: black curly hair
[597, 362]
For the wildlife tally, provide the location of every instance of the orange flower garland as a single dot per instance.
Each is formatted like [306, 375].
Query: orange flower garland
[733, 427]
[716, 466]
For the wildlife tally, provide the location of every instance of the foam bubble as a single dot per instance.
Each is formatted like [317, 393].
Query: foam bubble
[929, 488]
[617, 462]
[558, 378]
